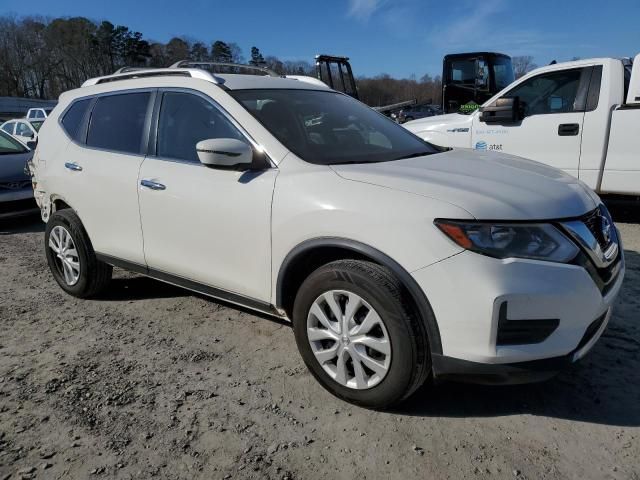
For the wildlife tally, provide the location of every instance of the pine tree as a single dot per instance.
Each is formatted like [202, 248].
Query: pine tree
[220, 52]
[256, 57]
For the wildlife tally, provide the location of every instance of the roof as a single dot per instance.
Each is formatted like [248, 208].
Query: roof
[573, 64]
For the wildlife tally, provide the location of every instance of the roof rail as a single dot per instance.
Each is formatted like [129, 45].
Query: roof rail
[128, 73]
[195, 64]
[127, 69]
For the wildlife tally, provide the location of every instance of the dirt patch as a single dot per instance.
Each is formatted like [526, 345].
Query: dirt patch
[151, 381]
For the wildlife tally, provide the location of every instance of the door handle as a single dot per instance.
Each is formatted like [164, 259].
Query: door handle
[568, 129]
[152, 185]
[73, 166]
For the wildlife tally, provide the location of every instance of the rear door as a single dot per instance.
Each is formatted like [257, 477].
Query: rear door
[550, 132]
[101, 168]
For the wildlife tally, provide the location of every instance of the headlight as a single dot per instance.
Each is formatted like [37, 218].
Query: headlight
[505, 240]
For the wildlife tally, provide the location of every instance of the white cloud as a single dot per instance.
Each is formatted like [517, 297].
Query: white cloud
[363, 9]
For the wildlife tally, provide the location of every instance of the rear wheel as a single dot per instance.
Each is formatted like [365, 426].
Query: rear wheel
[71, 258]
[359, 335]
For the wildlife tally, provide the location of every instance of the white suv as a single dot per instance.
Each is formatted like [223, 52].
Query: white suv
[394, 260]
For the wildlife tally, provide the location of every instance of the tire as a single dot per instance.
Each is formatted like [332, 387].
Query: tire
[93, 276]
[409, 362]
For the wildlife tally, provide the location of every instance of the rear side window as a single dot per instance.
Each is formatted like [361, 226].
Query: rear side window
[8, 127]
[594, 88]
[117, 122]
[72, 119]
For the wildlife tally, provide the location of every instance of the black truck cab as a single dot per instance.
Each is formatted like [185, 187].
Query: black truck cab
[470, 79]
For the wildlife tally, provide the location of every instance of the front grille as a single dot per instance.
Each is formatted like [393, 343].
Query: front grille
[604, 278]
[604, 272]
[15, 185]
[593, 221]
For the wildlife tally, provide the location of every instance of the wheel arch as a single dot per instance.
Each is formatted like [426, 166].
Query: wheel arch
[313, 253]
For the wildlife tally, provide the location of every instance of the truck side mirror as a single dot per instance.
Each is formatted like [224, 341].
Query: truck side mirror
[503, 110]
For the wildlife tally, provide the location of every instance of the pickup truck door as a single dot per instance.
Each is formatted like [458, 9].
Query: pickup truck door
[551, 129]
[204, 228]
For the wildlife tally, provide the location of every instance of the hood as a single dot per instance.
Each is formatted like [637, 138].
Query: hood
[451, 130]
[489, 185]
[12, 167]
[439, 122]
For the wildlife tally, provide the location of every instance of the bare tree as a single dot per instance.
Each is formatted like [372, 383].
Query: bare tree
[43, 57]
[522, 65]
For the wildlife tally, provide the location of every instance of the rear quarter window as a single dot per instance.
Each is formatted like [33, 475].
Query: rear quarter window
[73, 117]
[117, 122]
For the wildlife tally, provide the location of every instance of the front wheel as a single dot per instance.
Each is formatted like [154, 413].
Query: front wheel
[71, 258]
[359, 335]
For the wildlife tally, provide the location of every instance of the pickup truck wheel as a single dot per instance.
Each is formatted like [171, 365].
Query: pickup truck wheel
[71, 258]
[358, 334]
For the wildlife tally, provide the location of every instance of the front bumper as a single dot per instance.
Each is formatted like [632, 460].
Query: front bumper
[445, 368]
[466, 292]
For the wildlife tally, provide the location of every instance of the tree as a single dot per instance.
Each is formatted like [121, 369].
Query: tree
[220, 52]
[41, 57]
[177, 49]
[199, 52]
[256, 57]
[522, 65]
[236, 53]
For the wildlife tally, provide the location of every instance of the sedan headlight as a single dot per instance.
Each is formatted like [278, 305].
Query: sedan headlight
[540, 241]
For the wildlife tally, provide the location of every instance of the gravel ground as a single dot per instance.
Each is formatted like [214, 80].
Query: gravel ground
[153, 381]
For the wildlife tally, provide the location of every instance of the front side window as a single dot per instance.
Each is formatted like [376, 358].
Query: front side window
[72, 119]
[327, 128]
[553, 92]
[9, 145]
[117, 122]
[185, 119]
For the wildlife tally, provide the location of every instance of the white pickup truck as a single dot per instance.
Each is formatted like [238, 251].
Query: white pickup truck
[582, 117]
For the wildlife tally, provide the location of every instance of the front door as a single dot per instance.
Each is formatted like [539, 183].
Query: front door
[211, 226]
[551, 129]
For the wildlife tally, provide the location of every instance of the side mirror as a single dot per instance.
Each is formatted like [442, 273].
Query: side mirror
[224, 153]
[32, 144]
[503, 110]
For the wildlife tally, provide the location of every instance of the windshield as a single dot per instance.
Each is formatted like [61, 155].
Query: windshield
[329, 128]
[10, 145]
[503, 72]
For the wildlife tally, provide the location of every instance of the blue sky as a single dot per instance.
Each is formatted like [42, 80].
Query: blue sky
[398, 37]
